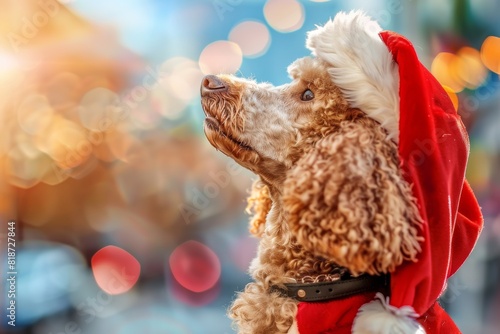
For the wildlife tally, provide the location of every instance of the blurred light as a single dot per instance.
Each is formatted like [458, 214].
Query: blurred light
[220, 57]
[63, 90]
[115, 270]
[452, 95]
[177, 84]
[98, 109]
[80, 171]
[144, 118]
[168, 314]
[93, 303]
[496, 226]
[284, 15]
[252, 37]
[182, 77]
[66, 142]
[103, 151]
[50, 273]
[320, 0]
[24, 172]
[490, 53]
[8, 62]
[459, 71]
[54, 174]
[139, 182]
[26, 146]
[191, 298]
[166, 104]
[479, 171]
[469, 67]
[195, 266]
[120, 143]
[243, 252]
[445, 70]
[34, 114]
[151, 324]
[102, 219]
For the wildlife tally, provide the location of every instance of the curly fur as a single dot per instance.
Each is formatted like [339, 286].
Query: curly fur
[259, 202]
[256, 310]
[346, 200]
[329, 195]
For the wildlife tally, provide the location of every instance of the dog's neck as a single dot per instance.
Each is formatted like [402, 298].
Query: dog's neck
[281, 259]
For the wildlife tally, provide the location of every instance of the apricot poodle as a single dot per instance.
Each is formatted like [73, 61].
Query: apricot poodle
[330, 203]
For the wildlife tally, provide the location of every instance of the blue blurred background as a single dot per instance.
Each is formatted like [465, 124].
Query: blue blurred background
[127, 220]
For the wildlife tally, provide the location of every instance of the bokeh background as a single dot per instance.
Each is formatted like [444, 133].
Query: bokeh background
[127, 220]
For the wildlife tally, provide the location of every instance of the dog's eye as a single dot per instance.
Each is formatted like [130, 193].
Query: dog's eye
[308, 95]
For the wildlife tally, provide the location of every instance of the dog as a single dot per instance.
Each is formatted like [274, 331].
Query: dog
[340, 223]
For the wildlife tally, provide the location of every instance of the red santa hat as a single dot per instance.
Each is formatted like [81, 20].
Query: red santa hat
[379, 73]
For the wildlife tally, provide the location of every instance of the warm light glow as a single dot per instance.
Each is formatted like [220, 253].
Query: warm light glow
[166, 104]
[490, 53]
[98, 109]
[195, 266]
[35, 114]
[115, 270]
[452, 95]
[284, 15]
[252, 37]
[120, 143]
[8, 62]
[469, 67]
[479, 169]
[66, 142]
[24, 172]
[220, 57]
[444, 68]
[181, 78]
[63, 90]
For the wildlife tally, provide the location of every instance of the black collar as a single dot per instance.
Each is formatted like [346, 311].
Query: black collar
[323, 291]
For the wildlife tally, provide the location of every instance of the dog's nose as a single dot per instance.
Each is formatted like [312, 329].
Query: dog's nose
[212, 84]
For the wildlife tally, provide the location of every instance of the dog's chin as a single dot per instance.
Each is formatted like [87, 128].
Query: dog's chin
[226, 143]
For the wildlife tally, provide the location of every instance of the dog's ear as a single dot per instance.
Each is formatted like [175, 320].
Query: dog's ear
[346, 200]
[258, 203]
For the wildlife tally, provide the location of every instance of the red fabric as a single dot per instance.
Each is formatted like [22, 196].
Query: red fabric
[433, 149]
[335, 316]
[437, 321]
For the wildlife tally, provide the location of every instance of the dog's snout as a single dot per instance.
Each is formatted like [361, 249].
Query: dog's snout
[212, 84]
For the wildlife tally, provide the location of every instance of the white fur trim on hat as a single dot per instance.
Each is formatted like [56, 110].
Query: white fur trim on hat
[361, 66]
[378, 317]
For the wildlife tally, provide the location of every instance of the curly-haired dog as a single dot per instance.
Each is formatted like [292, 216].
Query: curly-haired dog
[336, 209]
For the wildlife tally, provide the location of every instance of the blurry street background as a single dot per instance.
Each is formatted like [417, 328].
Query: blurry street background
[126, 220]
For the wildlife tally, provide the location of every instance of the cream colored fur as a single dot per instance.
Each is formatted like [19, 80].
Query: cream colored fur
[378, 317]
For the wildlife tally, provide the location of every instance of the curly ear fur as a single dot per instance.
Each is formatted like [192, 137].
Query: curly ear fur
[259, 202]
[346, 200]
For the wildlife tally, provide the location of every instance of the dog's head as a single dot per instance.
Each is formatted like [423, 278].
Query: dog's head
[336, 168]
[267, 128]
[332, 164]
